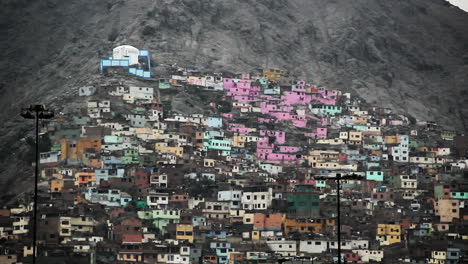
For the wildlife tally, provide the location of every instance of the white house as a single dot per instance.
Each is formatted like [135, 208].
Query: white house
[370, 255]
[283, 247]
[20, 225]
[126, 52]
[157, 199]
[257, 200]
[141, 93]
[313, 247]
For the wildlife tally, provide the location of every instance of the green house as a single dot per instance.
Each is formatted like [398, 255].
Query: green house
[330, 109]
[303, 201]
[131, 156]
[375, 175]
[141, 204]
[447, 135]
[164, 84]
[161, 218]
[459, 195]
[56, 147]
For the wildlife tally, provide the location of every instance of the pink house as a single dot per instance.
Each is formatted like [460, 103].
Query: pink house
[200, 81]
[267, 108]
[319, 133]
[244, 98]
[240, 130]
[255, 90]
[282, 116]
[300, 123]
[269, 97]
[301, 97]
[263, 143]
[265, 120]
[236, 86]
[299, 86]
[281, 158]
[307, 181]
[288, 149]
[280, 136]
[294, 97]
[227, 115]
[264, 151]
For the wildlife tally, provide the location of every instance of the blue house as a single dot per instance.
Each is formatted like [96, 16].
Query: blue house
[138, 62]
[106, 197]
[198, 220]
[215, 121]
[222, 250]
[220, 234]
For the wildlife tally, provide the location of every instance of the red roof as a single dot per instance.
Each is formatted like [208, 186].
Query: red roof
[132, 238]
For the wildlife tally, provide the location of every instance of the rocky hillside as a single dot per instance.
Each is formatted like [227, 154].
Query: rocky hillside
[411, 55]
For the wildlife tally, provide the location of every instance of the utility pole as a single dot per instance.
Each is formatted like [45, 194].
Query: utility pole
[339, 178]
[36, 112]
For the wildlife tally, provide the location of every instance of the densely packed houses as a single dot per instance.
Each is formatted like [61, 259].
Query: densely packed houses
[128, 179]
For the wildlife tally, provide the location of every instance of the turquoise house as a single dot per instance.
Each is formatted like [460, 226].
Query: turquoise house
[375, 175]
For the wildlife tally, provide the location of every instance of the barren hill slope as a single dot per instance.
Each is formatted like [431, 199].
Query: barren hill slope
[411, 55]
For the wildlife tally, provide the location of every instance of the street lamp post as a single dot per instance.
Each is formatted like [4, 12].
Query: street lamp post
[36, 112]
[338, 178]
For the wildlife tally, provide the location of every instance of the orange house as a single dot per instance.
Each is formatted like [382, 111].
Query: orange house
[330, 222]
[84, 178]
[273, 221]
[5, 212]
[360, 120]
[95, 163]
[199, 136]
[267, 221]
[56, 185]
[392, 139]
[235, 257]
[210, 259]
[178, 198]
[75, 150]
[303, 226]
[79, 200]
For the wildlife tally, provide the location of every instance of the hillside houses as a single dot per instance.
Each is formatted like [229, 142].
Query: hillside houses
[131, 180]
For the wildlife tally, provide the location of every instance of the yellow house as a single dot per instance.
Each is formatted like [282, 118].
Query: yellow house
[131, 256]
[184, 232]
[27, 251]
[163, 148]
[238, 141]
[82, 224]
[248, 219]
[447, 210]
[388, 234]
[326, 165]
[332, 141]
[355, 137]
[273, 74]
[208, 162]
[65, 226]
[255, 235]
[302, 226]
[392, 139]
[157, 133]
[320, 155]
